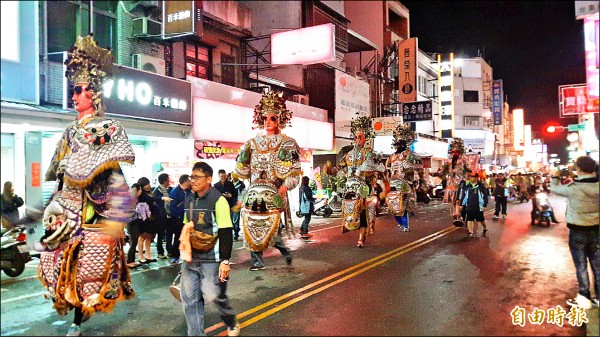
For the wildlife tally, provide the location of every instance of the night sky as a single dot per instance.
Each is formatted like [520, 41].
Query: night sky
[533, 46]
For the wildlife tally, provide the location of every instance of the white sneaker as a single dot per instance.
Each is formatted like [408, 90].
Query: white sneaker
[74, 330]
[595, 302]
[504, 216]
[235, 331]
[580, 301]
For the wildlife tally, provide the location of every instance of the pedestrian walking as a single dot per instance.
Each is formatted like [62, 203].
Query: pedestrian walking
[307, 206]
[135, 225]
[148, 228]
[163, 216]
[500, 193]
[583, 223]
[474, 199]
[240, 187]
[228, 190]
[177, 206]
[10, 205]
[206, 244]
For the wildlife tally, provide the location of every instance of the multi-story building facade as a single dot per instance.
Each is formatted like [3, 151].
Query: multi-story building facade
[473, 123]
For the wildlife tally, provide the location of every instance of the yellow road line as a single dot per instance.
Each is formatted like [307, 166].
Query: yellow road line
[394, 253]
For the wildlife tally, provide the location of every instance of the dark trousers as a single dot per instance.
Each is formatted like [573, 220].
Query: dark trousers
[134, 233]
[174, 227]
[161, 226]
[500, 204]
[584, 248]
[304, 227]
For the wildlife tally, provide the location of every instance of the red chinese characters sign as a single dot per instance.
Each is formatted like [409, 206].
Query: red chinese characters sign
[36, 175]
[573, 100]
[227, 150]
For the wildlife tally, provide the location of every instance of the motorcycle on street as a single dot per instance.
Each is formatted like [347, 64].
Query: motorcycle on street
[14, 253]
[542, 212]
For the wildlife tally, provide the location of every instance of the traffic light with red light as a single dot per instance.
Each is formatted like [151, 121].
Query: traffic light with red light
[551, 129]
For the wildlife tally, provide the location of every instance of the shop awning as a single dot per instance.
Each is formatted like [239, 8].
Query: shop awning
[357, 42]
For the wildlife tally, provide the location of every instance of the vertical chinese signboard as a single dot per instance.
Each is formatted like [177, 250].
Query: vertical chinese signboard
[592, 55]
[497, 101]
[407, 76]
[446, 95]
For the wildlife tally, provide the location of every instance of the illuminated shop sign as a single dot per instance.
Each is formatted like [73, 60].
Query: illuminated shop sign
[308, 45]
[590, 31]
[308, 133]
[417, 111]
[228, 150]
[446, 95]
[140, 94]
[573, 100]
[497, 101]
[178, 18]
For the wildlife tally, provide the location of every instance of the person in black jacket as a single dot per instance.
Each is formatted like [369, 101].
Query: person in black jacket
[228, 190]
[163, 217]
[177, 205]
[10, 205]
[473, 197]
[306, 196]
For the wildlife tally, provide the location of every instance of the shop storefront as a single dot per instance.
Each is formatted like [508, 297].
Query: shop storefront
[155, 111]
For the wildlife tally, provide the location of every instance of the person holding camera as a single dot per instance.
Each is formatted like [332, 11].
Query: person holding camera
[583, 223]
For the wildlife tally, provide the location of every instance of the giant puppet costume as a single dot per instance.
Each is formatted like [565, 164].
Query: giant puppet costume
[359, 204]
[401, 170]
[83, 266]
[271, 161]
[454, 170]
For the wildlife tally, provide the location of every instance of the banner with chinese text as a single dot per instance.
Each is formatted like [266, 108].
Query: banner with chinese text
[497, 101]
[417, 111]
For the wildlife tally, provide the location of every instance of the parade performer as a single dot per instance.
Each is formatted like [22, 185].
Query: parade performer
[401, 171]
[359, 204]
[271, 160]
[83, 266]
[454, 170]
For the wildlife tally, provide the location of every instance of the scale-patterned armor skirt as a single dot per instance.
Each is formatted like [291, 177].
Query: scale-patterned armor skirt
[88, 272]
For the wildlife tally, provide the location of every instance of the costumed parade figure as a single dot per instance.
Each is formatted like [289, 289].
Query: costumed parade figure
[401, 170]
[454, 170]
[83, 266]
[359, 200]
[271, 161]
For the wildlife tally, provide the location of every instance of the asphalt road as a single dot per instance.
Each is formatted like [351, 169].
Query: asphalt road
[431, 280]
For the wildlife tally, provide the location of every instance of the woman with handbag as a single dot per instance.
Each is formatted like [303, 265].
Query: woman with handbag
[307, 206]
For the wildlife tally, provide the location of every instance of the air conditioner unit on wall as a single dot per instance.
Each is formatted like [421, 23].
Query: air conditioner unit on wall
[145, 26]
[148, 63]
[302, 99]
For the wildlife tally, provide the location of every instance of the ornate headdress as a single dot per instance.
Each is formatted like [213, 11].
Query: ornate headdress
[362, 123]
[88, 63]
[403, 133]
[457, 145]
[272, 102]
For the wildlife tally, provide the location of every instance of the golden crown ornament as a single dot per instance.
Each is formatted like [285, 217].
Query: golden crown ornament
[88, 63]
[272, 102]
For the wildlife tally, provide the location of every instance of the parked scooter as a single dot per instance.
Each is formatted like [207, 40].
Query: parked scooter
[14, 253]
[322, 208]
[542, 212]
[335, 202]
